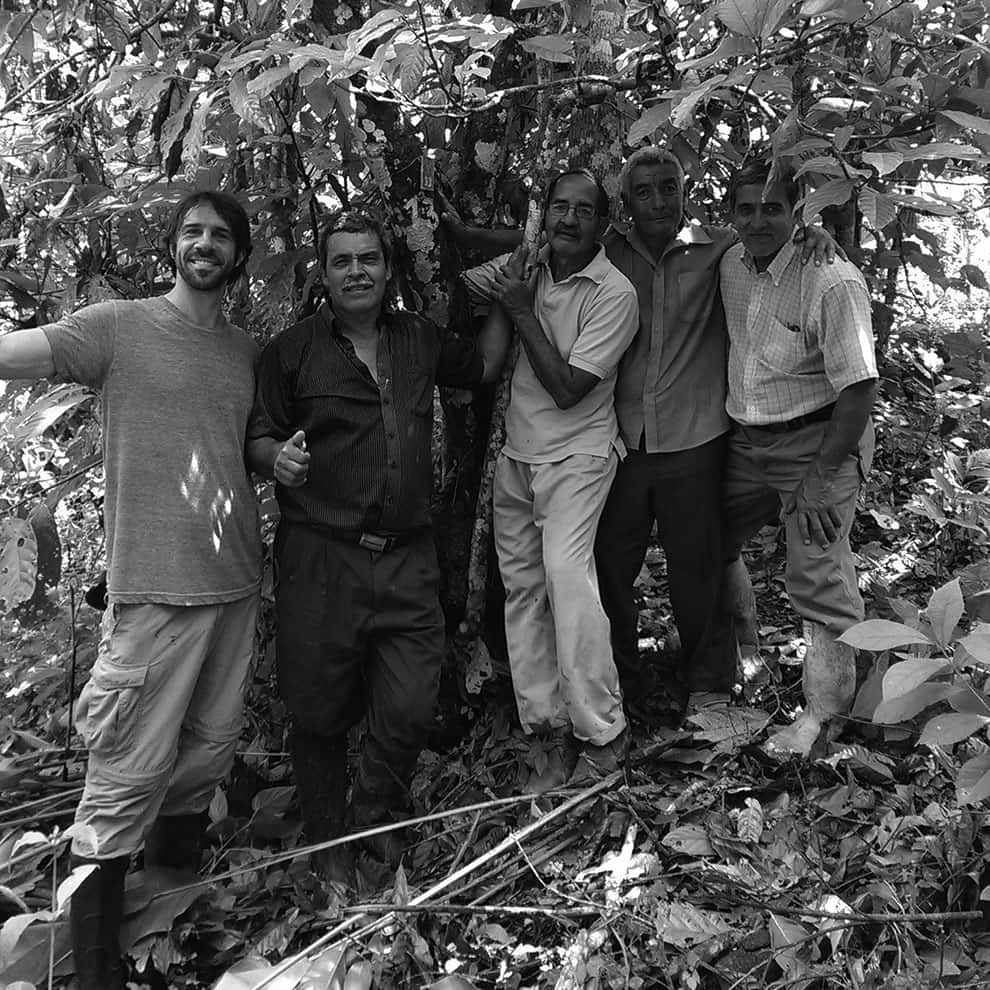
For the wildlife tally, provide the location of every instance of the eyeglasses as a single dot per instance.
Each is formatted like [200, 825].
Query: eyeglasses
[560, 208]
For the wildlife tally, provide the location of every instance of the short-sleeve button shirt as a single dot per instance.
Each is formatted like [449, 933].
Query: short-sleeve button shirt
[799, 334]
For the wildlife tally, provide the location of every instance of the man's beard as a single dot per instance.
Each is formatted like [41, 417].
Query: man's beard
[209, 280]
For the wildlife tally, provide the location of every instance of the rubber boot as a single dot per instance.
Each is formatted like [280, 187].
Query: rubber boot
[176, 842]
[95, 915]
[320, 767]
[829, 682]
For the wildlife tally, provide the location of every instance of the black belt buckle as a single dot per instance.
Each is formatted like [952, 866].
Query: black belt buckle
[375, 543]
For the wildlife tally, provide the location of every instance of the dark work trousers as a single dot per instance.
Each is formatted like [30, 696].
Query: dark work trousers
[361, 633]
[682, 492]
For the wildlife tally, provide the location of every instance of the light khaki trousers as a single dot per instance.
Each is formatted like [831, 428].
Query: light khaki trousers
[161, 715]
[546, 517]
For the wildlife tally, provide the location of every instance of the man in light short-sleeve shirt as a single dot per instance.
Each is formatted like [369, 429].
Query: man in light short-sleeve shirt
[575, 318]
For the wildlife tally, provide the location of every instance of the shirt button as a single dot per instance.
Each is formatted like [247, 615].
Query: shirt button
[391, 464]
[389, 500]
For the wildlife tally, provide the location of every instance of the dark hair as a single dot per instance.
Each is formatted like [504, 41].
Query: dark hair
[757, 173]
[353, 222]
[228, 209]
[604, 206]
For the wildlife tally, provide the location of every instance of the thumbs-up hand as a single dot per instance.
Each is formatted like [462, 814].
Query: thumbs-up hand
[292, 461]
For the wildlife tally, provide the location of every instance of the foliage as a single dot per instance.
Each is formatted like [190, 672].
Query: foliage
[705, 867]
[943, 669]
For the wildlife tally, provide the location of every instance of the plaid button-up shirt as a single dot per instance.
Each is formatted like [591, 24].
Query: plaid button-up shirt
[798, 335]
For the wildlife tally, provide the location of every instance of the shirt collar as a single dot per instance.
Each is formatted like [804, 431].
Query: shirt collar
[689, 234]
[777, 267]
[596, 269]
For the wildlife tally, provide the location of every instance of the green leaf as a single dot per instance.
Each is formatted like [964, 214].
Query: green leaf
[835, 192]
[551, 47]
[881, 634]
[651, 118]
[974, 276]
[790, 945]
[752, 18]
[977, 647]
[877, 208]
[950, 728]
[938, 208]
[682, 112]
[942, 149]
[945, 609]
[973, 780]
[682, 924]
[45, 412]
[907, 705]
[18, 561]
[908, 674]
[690, 840]
[846, 11]
[968, 700]
[883, 161]
[968, 120]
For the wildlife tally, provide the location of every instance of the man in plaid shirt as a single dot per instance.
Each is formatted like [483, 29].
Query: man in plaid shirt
[802, 383]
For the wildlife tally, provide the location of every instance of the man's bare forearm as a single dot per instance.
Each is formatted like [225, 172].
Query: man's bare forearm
[849, 420]
[261, 454]
[567, 386]
[493, 342]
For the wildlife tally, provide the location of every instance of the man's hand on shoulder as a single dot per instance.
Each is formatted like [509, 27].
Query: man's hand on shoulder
[818, 244]
[291, 466]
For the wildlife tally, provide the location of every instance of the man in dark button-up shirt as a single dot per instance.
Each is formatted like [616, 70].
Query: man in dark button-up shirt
[343, 421]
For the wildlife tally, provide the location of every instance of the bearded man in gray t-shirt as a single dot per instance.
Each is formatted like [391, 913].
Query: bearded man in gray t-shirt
[161, 711]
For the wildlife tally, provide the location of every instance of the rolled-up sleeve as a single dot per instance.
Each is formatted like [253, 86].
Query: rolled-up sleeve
[846, 335]
[480, 283]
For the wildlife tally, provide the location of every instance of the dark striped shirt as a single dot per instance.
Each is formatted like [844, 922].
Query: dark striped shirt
[369, 443]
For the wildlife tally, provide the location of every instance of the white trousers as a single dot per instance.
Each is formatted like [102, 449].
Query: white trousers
[545, 518]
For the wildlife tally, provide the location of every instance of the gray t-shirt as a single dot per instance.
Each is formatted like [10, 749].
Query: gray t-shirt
[181, 514]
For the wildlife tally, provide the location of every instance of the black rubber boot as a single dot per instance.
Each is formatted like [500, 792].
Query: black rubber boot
[176, 842]
[95, 915]
[320, 767]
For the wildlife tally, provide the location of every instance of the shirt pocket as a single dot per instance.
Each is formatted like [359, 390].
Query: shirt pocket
[785, 349]
[419, 388]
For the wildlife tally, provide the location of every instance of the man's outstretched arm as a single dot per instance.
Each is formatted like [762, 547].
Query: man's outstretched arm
[26, 354]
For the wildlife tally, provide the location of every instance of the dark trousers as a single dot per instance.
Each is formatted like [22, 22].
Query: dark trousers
[682, 493]
[360, 634]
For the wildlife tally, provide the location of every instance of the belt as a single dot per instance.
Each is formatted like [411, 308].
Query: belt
[375, 542]
[818, 416]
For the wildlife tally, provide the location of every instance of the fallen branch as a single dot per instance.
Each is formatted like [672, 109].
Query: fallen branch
[887, 918]
[496, 909]
[341, 931]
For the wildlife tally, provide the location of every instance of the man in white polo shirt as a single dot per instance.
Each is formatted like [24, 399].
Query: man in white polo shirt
[575, 318]
[802, 383]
